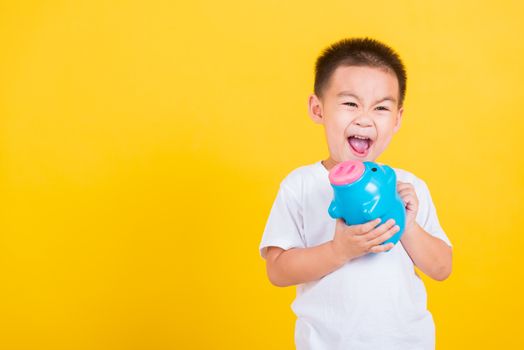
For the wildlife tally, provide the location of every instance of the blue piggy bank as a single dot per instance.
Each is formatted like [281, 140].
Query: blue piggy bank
[364, 191]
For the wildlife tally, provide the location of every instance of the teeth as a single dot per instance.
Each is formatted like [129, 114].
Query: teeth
[360, 137]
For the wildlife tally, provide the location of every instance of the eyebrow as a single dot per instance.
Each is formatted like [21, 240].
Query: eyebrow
[347, 93]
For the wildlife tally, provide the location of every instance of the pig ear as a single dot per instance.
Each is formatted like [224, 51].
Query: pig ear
[390, 173]
[333, 210]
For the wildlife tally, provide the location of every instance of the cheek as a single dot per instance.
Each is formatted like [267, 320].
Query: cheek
[384, 139]
[335, 136]
[385, 130]
[336, 128]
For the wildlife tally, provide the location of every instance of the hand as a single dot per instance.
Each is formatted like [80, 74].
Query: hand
[408, 195]
[353, 241]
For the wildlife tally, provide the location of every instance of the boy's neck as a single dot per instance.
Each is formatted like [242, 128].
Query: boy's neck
[329, 163]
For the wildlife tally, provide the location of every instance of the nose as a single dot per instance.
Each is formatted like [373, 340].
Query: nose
[363, 121]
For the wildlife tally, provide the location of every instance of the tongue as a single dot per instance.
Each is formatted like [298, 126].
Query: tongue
[359, 145]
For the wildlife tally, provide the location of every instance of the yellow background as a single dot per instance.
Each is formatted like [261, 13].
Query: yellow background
[142, 144]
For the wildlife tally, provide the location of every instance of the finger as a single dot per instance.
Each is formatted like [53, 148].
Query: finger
[406, 199]
[405, 190]
[411, 206]
[410, 200]
[385, 236]
[408, 191]
[405, 186]
[407, 194]
[401, 185]
[340, 223]
[368, 226]
[381, 248]
[379, 230]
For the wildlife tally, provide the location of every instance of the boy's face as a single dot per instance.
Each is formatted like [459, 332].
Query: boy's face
[359, 111]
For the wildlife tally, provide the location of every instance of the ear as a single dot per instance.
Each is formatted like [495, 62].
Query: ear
[399, 120]
[315, 109]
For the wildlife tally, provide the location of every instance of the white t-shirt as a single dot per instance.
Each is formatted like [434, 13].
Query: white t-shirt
[376, 301]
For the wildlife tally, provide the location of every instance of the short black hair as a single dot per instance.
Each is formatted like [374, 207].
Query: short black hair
[359, 52]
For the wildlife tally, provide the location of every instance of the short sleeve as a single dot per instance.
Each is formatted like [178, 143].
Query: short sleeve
[284, 226]
[427, 214]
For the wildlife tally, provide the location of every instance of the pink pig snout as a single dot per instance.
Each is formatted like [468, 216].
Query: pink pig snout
[346, 172]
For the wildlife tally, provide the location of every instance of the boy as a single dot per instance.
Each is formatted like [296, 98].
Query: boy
[351, 295]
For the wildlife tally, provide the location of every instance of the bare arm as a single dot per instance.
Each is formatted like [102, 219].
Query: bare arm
[300, 265]
[430, 254]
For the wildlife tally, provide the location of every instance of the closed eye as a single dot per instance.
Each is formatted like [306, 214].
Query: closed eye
[382, 108]
[352, 104]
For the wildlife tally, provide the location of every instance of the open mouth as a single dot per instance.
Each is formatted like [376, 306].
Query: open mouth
[360, 145]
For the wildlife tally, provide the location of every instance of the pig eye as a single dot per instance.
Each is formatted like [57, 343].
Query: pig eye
[373, 169]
